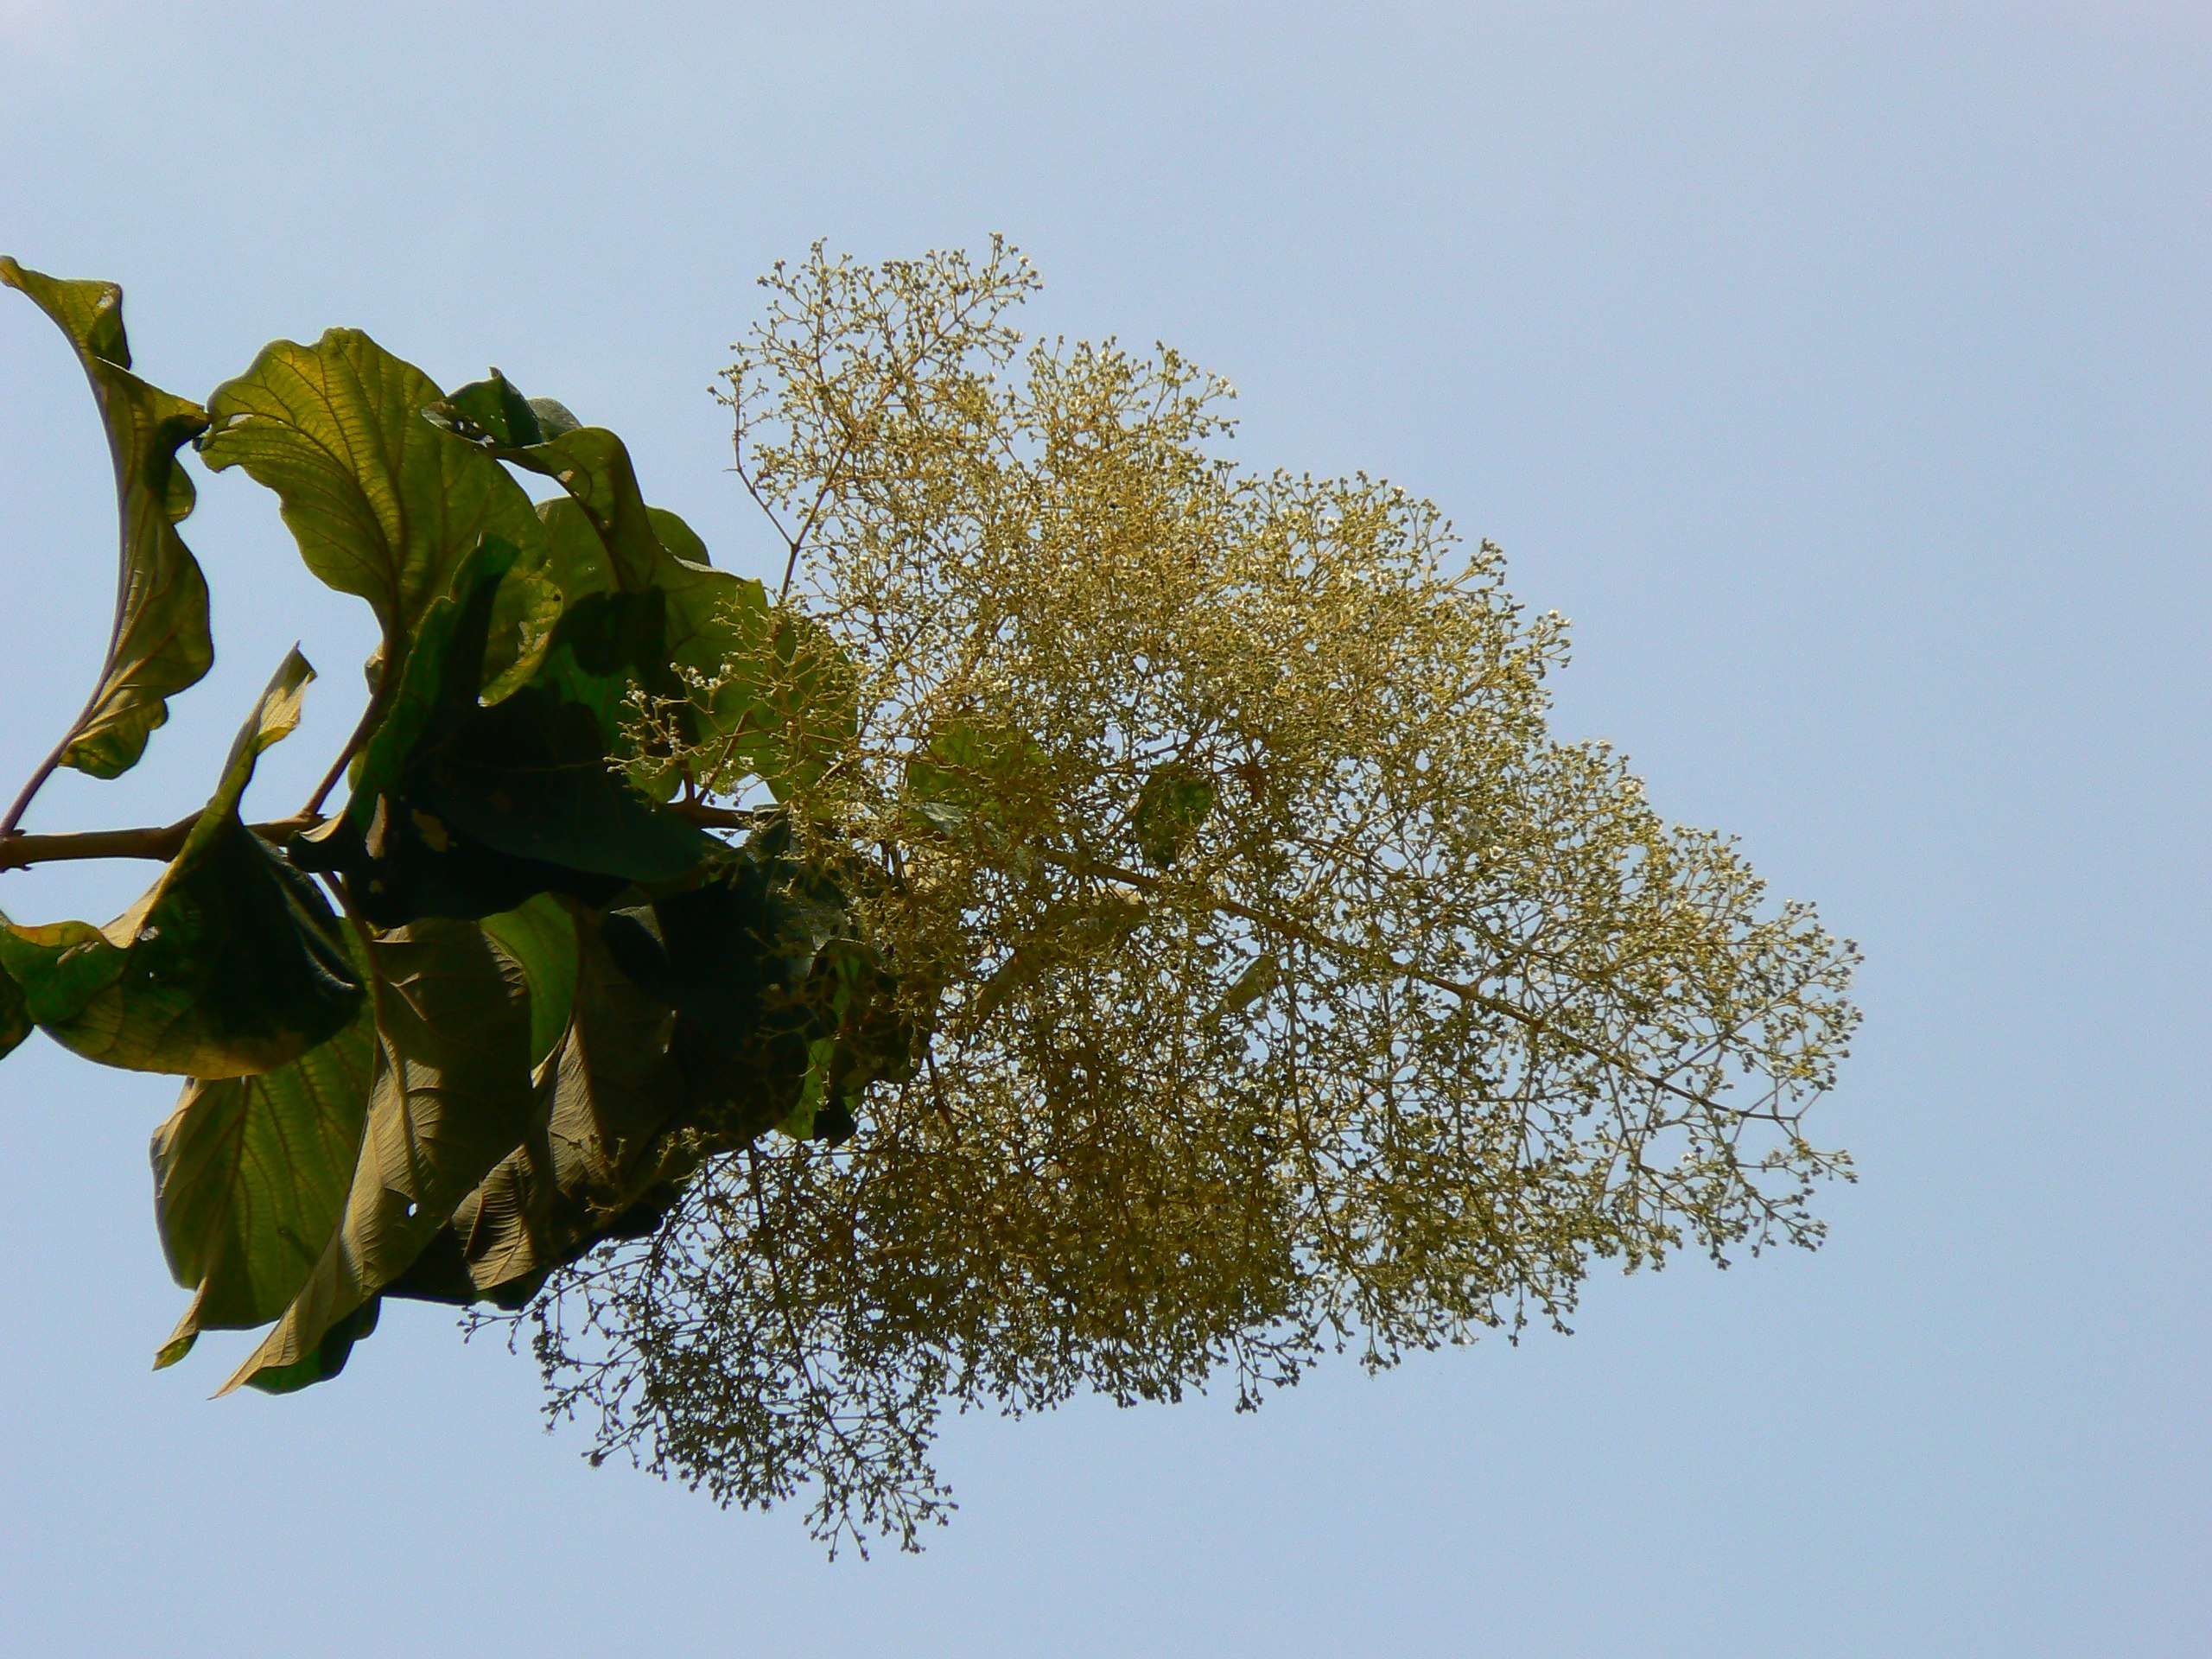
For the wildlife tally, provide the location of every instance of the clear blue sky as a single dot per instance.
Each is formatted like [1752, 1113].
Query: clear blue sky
[1841, 371]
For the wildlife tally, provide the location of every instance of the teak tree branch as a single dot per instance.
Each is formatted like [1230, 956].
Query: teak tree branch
[19, 852]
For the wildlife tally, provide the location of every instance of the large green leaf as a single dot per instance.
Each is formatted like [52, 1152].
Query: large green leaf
[323, 1360]
[589, 462]
[779, 1009]
[250, 1175]
[766, 690]
[160, 643]
[643, 1093]
[540, 938]
[450, 1095]
[232, 963]
[756, 1016]
[609, 1138]
[59, 967]
[15, 1015]
[464, 809]
[383, 504]
[608, 647]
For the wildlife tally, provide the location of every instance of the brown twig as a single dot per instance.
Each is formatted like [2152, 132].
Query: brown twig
[19, 852]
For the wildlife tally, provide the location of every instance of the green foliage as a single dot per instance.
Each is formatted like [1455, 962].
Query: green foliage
[611, 1130]
[449, 1096]
[382, 507]
[232, 963]
[463, 808]
[15, 1017]
[1108, 920]
[458, 1091]
[540, 938]
[753, 695]
[248, 1177]
[160, 645]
